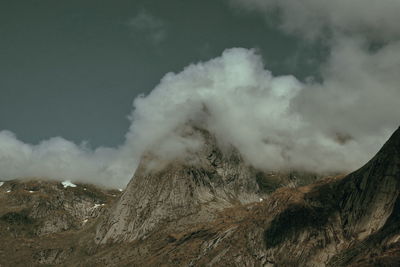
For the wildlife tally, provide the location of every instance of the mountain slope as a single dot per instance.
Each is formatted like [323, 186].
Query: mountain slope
[335, 221]
[42, 221]
[210, 214]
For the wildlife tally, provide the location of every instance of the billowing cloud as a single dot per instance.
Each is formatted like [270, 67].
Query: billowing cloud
[56, 158]
[275, 122]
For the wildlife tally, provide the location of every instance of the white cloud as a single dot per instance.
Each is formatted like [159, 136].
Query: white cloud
[149, 26]
[56, 158]
[272, 121]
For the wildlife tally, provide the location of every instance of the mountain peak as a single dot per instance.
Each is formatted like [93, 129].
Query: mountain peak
[189, 189]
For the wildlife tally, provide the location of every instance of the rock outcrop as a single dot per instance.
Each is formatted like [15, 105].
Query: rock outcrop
[182, 193]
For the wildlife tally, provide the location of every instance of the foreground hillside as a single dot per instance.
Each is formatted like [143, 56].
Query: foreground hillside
[218, 212]
[41, 222]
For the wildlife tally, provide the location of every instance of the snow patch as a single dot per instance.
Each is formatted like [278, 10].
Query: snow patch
[68, 184]
[120, 190]
[1, 183]
[98, 205]
[8, 191]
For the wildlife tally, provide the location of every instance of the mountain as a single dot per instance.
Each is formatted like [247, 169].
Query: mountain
[186, 192]
[216, 210]
[181, 193]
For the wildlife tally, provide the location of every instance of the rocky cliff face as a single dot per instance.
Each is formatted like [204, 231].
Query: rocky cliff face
[182, 193]
[189, 192]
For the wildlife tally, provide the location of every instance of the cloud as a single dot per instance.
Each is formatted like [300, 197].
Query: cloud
[311, 18]
[275, 122]
[359, 76]
[360, 90]
[153, 28]
[56, 158]
[280, 122]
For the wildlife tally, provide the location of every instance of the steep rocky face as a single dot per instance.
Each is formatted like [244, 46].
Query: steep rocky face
[182, 192]
[367, 196]
[328, 223]
[192, 191]
[334, 222]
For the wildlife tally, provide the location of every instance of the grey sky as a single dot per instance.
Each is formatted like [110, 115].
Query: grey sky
[72, 68]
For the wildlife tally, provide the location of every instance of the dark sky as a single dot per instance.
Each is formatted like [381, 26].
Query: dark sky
[72, 68]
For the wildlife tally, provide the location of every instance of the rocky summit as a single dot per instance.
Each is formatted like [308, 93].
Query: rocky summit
[191, 192]
[212, 211]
